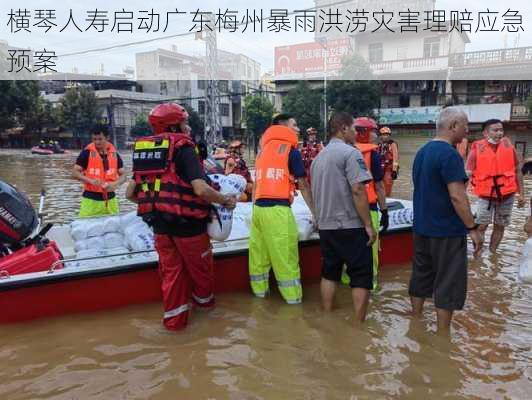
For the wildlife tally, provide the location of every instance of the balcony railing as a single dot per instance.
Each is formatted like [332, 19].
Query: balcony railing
[491, 57]
[410, 65]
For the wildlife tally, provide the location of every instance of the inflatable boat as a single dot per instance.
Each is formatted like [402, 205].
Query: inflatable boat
[47, 152]
[88, 282]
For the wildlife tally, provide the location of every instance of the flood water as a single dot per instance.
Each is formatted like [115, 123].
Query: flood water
[264, 349]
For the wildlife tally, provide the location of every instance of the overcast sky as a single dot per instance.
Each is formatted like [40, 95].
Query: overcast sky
[258, 46]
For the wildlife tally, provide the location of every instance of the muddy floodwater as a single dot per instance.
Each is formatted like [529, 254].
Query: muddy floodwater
[249, 348]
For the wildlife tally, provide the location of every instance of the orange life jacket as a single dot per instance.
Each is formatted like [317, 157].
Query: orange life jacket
[159, 187]
[494, 175]
[95, 167]
[366, 149]
[272, 175]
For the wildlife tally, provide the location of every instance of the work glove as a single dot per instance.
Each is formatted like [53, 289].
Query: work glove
[395, 175]
[385, 220]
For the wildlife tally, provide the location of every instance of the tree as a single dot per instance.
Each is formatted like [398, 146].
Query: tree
[351, 94]
[194, 120]
[257, 116]
[304, 103]
[79, 110]
[141, 127]
[19, 101]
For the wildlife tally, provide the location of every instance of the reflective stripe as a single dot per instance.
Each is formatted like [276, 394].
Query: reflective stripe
[147, 145]
[259, 277]
[205, 254]
[176, 311]
[298, 301]
[203, 300]
[290, 283]
[261, 295]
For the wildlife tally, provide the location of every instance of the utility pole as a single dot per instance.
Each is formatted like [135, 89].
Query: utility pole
[213, 122]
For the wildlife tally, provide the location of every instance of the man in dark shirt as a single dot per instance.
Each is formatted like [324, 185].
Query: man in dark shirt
[442, 219]
[101, 170]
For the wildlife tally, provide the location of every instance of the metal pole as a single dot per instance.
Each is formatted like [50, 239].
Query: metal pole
[325, 92]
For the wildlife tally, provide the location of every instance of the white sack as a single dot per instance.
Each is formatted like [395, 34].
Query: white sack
[129, 219]
[220, 227]
[111, 225]
[141, 240]
[525, 269]
[114, 240]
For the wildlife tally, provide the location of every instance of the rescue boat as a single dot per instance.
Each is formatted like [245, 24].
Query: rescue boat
[104, 283]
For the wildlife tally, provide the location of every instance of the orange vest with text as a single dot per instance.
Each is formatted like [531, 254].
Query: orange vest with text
[366, 149]
[272, 176]
[494, 175]
[95, 168]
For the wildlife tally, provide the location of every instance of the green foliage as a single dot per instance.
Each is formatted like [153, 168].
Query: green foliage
[258, 115]
[141, 127]
[304, 103]
[354, 93]
[79, 110]
[19, 101]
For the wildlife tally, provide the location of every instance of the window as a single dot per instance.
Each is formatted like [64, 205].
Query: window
[163, 88]
[223, 86]
[202, 85]
[201, 107]
[431, 47]
[402, 53]
[375, 53]
[224, 110]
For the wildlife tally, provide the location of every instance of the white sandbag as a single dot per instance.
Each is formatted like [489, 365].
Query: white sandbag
[78, 232]
[141, 240]
[114, 240]
[95, 228]
[81, 245]
[305, 228]
[95, 243]
[111, 225]
[222, 220]
[129, 219]
[525, 269]
[138, 226]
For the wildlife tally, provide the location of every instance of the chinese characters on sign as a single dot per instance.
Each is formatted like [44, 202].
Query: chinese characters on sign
[275, 20]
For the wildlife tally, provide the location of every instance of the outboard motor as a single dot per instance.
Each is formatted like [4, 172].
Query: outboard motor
[18, 219]
[22, 250]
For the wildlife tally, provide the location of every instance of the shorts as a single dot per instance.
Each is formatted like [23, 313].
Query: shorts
[497, 213]
[349, 247]
[95, 208]
[439, 270]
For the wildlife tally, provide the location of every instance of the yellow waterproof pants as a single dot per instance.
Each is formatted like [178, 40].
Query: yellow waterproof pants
[273, 242]
[375, 221]
[95, 208]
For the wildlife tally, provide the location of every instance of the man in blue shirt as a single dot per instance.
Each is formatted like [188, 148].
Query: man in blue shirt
[442, 219]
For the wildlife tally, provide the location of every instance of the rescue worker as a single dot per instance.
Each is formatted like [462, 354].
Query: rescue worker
[496, 178]
[310, 150]
[235, 164]
[100, 168]
[389, 153]
[273, 241]
[173, 197]
[365, 128]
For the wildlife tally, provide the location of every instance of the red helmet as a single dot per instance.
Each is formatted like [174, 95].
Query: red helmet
[364, 126]
[165, 115]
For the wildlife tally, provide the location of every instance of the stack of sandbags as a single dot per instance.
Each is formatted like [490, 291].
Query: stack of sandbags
[96, 237]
